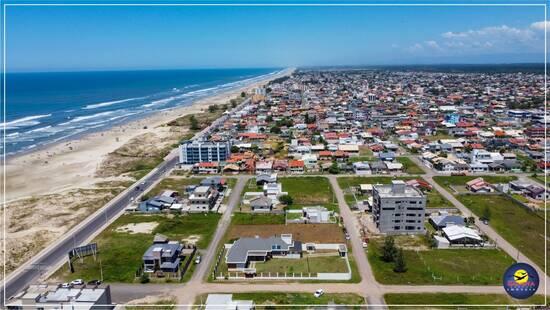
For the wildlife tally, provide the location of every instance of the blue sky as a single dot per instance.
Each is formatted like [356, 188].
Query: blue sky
[102, 38]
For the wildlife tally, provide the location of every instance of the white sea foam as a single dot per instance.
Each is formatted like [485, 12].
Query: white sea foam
[108, 103]
[24, 121]
[39, 129]
[86, 117]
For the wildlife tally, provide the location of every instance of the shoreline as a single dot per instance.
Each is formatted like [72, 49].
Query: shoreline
[72, 163]
[146, 115]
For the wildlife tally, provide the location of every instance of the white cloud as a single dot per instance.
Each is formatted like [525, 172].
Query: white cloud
[493, 39]
[540, 25]
[415, 48]
[433, 45]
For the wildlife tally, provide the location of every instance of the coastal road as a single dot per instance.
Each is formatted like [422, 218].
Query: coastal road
[51, 256]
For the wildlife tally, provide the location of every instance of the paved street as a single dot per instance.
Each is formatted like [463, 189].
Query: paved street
[187, 293]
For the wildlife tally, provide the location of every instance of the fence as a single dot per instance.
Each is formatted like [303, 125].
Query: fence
[236, 275]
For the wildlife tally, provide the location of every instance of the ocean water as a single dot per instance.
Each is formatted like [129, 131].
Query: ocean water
[43, 108]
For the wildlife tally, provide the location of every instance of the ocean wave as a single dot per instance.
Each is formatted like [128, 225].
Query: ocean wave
[24, 121]
[86, 117]
[39, 129]
[108, 103]
[158, 102]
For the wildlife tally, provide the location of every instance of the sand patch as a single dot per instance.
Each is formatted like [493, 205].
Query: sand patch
[138, 228]
[191, 239]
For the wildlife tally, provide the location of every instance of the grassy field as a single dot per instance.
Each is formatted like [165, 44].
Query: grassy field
[120, 252]
[447, 181]
[449, 266]
[459, 299]
[265, 300]
[409, 166]
[434, 198]
[522, 228]
[239, 218]
[307, 264]
[177, 184]
[307, 191]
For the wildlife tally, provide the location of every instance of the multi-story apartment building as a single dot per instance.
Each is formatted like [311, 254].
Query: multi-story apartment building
[399, 208]
[203, 199]
[194, 151]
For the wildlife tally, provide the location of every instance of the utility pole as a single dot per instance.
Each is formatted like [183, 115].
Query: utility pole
[101, 271]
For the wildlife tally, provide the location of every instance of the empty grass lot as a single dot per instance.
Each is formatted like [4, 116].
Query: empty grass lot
[269, 300]
[309, 191]
[239, 218]
[524, 229]
[459, 299]
[434, 198]
[409, 166]
[441, 267]
[120, 252]
[307, 264]
[448, 181]
[177, 184]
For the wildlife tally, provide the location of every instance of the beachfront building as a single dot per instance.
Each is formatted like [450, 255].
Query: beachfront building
[399, 208]
[195, 151]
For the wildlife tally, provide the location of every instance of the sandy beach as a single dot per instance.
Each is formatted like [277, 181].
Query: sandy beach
[51, 189]
[73, 164]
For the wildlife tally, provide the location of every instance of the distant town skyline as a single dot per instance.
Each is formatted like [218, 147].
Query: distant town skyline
[72, 38]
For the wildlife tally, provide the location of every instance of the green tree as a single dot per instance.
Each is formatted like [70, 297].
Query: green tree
[388, 249]
[286, 199]
[144, 278]
[275, 130]
[334, 168]
[234, 149]
[400, 264]
[194, 123]
[233, 103]
[243, 94]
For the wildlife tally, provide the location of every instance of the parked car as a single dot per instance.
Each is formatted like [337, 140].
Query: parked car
[318, 293]
[347, 236]
[66, 285]
[94, 282]
[198, 259]
[77, 282]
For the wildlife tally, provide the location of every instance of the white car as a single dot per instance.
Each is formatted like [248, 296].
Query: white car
[77, 282]
[198, 260]
[318, 293]
[66, 285]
